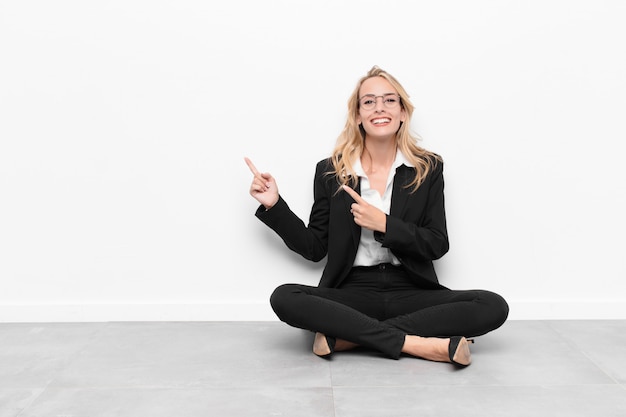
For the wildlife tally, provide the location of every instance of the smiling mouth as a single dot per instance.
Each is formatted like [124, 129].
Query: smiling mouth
[381, 121]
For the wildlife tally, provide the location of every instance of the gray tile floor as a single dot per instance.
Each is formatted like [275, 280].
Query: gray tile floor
[233, 369]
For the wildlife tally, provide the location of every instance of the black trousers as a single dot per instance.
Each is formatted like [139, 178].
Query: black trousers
[378, 306]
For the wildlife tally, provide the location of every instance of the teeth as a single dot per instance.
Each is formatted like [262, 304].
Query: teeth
[379, 121]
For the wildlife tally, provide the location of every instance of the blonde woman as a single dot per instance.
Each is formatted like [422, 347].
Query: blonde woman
[379, 219]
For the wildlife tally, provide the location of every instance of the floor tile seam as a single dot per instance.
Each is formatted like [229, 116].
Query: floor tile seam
[178, 388]
[71, 358]
[582, 351]
[42, 391]
[31, 402]
[332, 389]
[330, 374]
[334, 401]
[590, 359]
[312, 387]
[472, 386]
[49, 385]
[600, 367]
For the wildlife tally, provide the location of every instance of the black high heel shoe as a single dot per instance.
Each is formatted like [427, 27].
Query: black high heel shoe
[458, 351]
[323, 346]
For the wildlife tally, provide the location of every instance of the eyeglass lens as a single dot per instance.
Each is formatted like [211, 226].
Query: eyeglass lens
[368, 102]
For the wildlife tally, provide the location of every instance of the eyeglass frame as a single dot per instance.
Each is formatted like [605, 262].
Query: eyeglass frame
[385, 103]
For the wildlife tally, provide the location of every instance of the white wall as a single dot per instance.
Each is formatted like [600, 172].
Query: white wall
[123, 127]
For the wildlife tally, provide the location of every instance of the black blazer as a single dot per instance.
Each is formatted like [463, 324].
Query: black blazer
[416, 226]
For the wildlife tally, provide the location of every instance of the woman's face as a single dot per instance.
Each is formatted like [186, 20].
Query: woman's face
[383, 119]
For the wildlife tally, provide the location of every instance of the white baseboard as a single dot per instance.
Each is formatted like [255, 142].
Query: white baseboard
[261, 311]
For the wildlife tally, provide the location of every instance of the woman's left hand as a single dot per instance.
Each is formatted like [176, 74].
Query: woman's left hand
[366, 215]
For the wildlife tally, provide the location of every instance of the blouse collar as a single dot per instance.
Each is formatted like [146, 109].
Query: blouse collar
[398, 162]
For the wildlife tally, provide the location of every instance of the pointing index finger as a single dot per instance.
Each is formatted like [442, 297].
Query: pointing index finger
[353, 194]
[252, 167]
[256, 172]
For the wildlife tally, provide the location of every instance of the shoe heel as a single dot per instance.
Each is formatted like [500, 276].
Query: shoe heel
[323, 346]
[458, 351]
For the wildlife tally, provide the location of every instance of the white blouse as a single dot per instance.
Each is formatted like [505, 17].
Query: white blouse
[371, 252]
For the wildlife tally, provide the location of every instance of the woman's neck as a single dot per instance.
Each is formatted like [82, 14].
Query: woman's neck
[378, 156]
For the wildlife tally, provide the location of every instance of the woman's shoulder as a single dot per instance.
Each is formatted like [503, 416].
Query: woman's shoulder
[325, 173]
[324, 165]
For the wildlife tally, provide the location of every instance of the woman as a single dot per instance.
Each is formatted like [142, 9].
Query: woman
[379, 218]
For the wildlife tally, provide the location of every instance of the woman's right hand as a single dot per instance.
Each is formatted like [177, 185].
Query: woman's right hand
[263, 187]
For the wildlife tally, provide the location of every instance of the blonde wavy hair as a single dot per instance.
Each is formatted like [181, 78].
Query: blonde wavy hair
[351, 142]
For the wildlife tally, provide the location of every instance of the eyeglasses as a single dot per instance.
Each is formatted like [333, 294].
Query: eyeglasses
[390, 101]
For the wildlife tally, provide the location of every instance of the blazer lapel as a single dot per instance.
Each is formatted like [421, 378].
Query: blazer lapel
[400, 194]
[354, 228]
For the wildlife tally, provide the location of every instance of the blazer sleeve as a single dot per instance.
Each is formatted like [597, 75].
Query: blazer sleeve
[310, 241]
